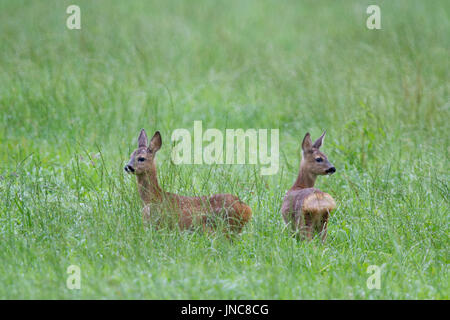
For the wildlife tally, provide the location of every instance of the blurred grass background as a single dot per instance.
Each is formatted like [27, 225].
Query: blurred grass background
[73, 101]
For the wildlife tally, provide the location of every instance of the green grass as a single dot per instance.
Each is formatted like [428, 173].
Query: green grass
[66, 96]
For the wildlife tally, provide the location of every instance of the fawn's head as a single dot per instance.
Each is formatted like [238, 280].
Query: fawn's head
[313, 160]
[142, 159]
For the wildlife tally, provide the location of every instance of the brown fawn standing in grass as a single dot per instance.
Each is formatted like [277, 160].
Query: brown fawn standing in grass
[187, 211]
[307, 209]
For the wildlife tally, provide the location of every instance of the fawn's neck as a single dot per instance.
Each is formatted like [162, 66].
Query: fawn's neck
[148, 187]
[305, 178]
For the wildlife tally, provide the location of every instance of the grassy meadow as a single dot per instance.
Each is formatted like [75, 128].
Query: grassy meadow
[72, 103]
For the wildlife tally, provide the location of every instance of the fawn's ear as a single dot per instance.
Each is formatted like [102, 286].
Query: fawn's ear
[156, 142]
[307, 143]
[319, 141]
[142, 140]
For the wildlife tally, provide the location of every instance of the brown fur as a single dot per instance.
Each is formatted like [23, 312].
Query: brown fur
[305, 208]
[318, 202]
[205, 211]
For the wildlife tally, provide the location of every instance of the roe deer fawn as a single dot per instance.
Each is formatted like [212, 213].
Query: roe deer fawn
[305, 207]
[188, 211]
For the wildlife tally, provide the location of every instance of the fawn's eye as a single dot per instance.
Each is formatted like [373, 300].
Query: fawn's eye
[141, 159]
[319, 159]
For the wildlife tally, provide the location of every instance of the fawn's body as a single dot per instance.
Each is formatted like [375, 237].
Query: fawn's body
[306, 208]
[189, 211]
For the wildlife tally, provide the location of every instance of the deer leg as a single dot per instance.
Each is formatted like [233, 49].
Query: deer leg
[150, 216]
[298, 223]
[324, 226]
[308, 226]
[303, 226]
[146, 215]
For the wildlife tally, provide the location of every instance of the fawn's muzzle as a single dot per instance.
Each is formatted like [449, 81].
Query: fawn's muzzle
[331, 170]
[129, 168]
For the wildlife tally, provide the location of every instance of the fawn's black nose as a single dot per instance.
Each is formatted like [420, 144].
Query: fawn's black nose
[331, 170]
[129, 168]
